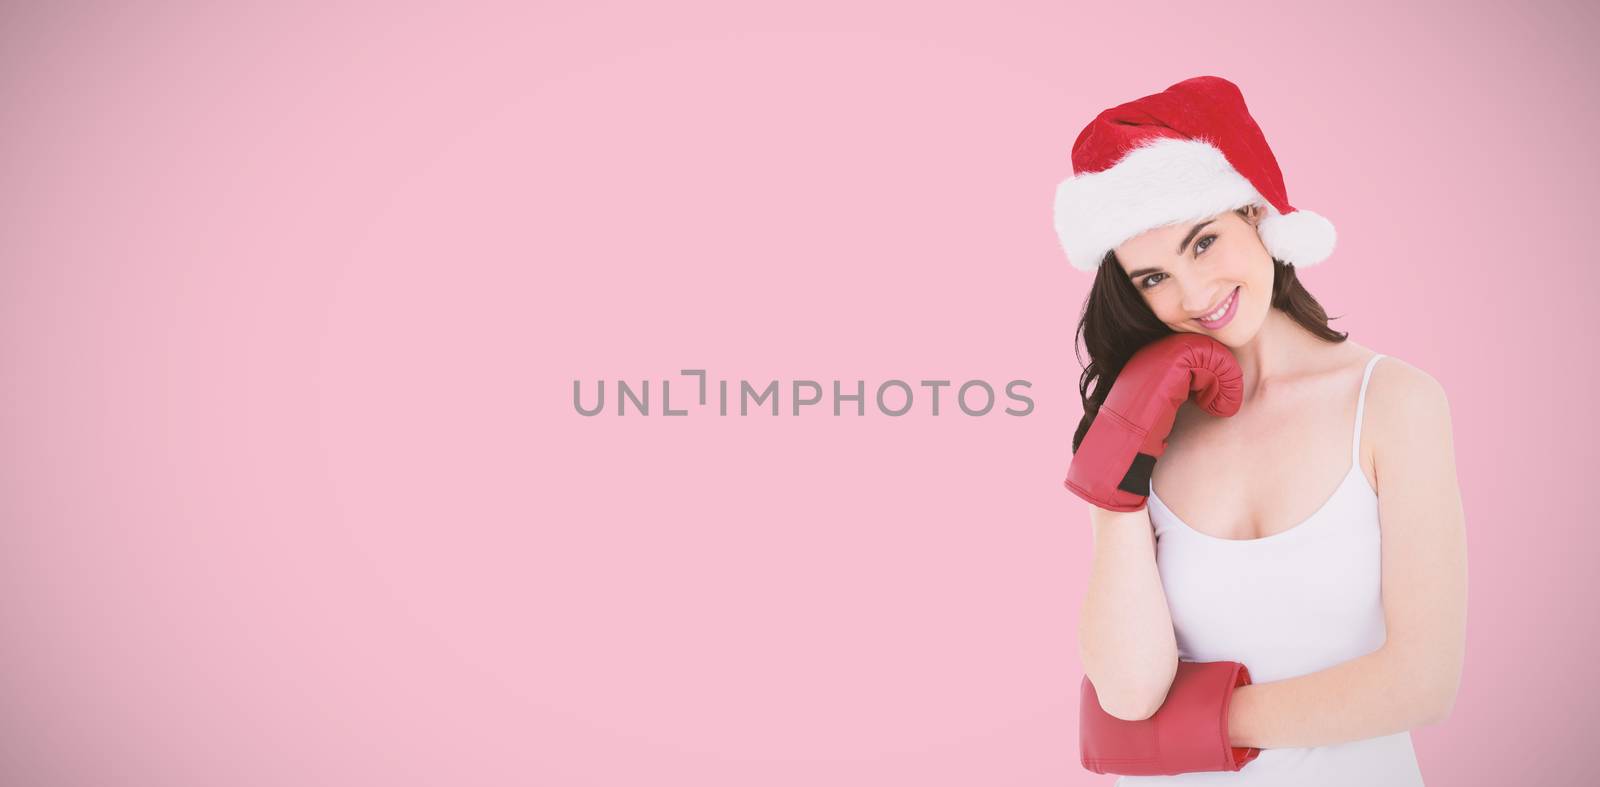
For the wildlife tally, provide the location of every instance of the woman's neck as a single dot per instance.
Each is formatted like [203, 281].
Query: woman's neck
[1281, 352]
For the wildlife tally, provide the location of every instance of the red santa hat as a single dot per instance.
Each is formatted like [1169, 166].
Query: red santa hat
[1187, 153]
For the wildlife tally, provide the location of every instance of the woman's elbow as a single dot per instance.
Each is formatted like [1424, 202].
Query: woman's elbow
[1441, 707]
[1446, 685]
[1137, 709]
[1133, 702]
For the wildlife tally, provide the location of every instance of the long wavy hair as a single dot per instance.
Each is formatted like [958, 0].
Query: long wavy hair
[1116, 323]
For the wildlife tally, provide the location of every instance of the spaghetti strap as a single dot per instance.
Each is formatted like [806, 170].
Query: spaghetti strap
[1361, 405]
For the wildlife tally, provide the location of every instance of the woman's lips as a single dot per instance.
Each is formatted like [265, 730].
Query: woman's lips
[1227, 314]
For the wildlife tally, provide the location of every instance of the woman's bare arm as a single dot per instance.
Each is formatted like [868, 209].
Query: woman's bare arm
[1411, 680]
[1125, 635]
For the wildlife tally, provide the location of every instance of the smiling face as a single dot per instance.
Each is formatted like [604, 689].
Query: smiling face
[1187, 273]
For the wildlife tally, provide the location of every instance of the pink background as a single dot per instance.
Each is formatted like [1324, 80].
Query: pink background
[293, 491]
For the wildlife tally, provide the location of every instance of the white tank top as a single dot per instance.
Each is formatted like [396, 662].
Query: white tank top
[1289, 604]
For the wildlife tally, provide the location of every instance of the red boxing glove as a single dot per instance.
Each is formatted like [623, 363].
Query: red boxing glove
[1189, 733]
[1113, 463]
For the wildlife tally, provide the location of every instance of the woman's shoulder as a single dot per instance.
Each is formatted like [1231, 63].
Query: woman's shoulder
[1396, 382]
[1401, 396]
[1391, 378]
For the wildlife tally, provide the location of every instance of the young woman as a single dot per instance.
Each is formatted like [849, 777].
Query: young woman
[1311, 530]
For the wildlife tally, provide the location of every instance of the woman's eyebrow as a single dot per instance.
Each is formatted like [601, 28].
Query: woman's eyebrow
[1192, 231]
[1195, 230]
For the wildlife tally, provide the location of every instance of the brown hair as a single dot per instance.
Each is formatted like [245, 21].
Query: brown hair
[1116, 323]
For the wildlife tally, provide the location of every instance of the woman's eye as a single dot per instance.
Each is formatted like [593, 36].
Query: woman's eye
[1152, 280]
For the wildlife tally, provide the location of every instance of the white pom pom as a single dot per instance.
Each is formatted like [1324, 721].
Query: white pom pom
[1301, 238]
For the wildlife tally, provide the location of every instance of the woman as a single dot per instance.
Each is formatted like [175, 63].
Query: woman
[1343, 612]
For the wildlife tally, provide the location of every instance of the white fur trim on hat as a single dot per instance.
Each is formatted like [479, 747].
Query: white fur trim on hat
[1165, 181]
[1300, 237]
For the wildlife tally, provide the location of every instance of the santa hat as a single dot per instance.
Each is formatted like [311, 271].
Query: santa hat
[1187, 153]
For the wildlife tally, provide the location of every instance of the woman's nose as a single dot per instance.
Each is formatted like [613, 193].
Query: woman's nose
[1197, 299]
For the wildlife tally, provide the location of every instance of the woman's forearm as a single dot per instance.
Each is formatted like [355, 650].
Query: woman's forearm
[1125, 635]
[1365, 697]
